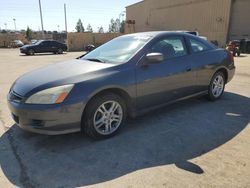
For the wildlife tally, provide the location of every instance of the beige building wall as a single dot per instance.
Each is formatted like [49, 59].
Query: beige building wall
[7, 38]
[210, 18]
[136, 12]
[75, 41]
[78, 41]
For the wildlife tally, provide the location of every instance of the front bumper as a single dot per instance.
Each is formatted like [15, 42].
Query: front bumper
[23, 50]
[47, 119]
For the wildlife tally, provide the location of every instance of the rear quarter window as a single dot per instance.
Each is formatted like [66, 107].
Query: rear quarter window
[198, 46]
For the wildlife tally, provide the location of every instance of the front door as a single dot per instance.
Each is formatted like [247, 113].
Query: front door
[169, 80]
[45, 46]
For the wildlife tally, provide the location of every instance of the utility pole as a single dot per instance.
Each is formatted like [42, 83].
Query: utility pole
[14, 23]
[41, 15]
[65, 16]
[5, 26]
[121, 16]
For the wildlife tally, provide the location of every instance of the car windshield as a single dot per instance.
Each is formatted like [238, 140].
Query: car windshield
[118, 50]
[39, 42]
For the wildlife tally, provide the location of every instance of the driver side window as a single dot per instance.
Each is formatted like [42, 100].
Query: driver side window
[170, 47]
[45, 43]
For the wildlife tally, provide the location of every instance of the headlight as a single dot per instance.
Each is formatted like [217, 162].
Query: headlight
[53, 95]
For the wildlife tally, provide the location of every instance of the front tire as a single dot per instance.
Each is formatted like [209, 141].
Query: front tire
[104, 116]
[217, 86]
[31, 52]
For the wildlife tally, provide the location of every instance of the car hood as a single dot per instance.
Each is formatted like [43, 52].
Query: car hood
[67, 72]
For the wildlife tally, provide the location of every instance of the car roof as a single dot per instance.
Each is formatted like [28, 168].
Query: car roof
[47, 40]
[160, 33]
[156, 34]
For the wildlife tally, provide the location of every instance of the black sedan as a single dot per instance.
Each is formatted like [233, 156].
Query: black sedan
[44, 46]
[127, 76]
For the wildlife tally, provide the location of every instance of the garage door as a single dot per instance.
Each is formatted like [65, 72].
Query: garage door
[240, 16]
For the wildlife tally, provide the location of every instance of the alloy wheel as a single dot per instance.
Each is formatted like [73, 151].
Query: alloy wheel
[108, 117]
[31, 52]
[59, 51]
[218, 86]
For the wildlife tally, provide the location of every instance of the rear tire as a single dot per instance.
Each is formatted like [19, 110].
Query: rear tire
[217, 86]
[104, 116]
[59, 51]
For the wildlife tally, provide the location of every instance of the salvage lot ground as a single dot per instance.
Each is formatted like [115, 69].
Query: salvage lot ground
[192, 143]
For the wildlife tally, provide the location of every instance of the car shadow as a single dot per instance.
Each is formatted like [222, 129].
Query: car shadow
[172, 135]
[42, 54]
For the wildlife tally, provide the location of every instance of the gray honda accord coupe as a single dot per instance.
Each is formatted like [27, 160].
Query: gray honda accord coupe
[127, 76]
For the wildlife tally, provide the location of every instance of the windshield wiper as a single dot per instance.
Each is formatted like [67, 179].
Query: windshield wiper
[96, 60]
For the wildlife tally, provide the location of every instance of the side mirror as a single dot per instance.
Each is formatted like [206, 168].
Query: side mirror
[154, 58]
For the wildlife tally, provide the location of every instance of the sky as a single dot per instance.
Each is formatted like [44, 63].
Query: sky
[97, 13]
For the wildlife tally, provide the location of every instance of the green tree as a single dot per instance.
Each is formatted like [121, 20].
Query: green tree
[28, 33]
[3, 31]
[122, 27]
[100, 30]
[79, 27]
[89, 28]
[112, 26]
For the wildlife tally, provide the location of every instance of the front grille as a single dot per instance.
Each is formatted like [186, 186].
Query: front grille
[37, 123]
[15, 97]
